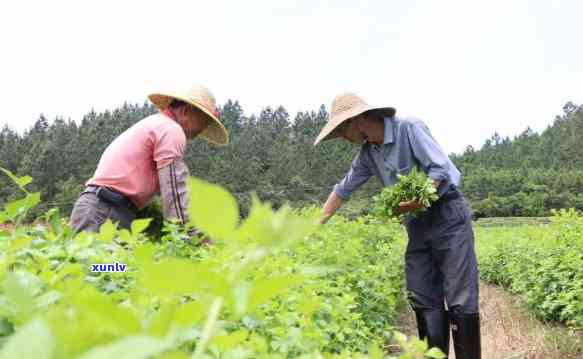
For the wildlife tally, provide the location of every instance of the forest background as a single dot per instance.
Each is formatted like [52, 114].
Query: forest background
[271, 154]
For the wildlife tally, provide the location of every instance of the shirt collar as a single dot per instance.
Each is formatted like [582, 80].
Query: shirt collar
[168, 114]
[389, 131]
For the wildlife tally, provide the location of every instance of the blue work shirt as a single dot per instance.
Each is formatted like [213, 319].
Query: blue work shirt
[407, 144]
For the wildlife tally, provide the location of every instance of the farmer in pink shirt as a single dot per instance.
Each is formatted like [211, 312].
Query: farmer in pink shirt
[148, 158]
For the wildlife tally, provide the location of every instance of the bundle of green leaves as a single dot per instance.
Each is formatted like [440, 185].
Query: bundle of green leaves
[413, 186]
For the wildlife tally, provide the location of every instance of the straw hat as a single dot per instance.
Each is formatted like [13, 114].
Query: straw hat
[201, 98]
[344, 107]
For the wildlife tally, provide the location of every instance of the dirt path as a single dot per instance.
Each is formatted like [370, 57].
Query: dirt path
[511, 332]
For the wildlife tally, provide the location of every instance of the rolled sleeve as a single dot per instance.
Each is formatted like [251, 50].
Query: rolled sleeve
[169, 144]
[173, 188]
[428, 152]
[358, 174]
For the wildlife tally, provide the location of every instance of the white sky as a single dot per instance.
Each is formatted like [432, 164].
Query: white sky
[467, 68]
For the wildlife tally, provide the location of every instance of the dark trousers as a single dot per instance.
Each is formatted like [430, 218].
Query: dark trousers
[91, 212]
[440, 260]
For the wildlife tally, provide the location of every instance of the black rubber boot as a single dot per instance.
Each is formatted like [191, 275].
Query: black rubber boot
[466, 336]
[434, 325]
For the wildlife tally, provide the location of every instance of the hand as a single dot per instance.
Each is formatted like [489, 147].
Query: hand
[332, 204]
[205, 242]
[408, 206]
[199, 238]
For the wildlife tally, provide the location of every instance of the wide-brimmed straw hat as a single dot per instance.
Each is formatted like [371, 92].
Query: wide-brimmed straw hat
[344, 107]
[201, 98]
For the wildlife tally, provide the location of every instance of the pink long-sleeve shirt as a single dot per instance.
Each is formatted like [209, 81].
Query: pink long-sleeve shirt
[130, 163]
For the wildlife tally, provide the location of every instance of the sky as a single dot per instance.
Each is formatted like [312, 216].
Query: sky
[467, 68]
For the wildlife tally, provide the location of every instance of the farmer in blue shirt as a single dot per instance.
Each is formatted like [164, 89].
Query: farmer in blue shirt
[440, 261]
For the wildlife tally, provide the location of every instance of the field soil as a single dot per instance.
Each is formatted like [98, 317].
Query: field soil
[509, 331]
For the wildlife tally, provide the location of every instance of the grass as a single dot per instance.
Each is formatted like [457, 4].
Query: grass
[511, 221]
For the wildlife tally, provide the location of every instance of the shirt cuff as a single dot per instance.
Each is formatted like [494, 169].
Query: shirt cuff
[436, 174]
[342, 193]
[163, 162]
[442, 177]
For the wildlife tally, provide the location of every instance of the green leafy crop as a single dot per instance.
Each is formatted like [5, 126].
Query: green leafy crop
[539, 263]
[414, 186]
[272, 285]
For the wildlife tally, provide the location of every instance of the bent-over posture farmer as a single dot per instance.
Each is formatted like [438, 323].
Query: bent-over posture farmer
[440, 261]
[148, 158]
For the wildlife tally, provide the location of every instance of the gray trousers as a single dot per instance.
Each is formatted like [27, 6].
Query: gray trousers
[440, 260]
[91, 212]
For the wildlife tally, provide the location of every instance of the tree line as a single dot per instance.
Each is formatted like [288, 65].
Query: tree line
[530, 174]
[271, 155]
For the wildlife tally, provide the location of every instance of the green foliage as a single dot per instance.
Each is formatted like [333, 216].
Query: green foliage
[17, 210]
[20, 344]
[272, 285]
[414, 186]
[271, 154]
[540, 263]
[220, 214]
[21, 182]
[153, 212]
[415, 348]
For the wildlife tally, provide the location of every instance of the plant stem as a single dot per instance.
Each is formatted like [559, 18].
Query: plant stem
[208, 327]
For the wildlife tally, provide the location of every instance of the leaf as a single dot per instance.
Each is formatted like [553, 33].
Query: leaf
[68, 271]
[34, 340]
[107, 231]
[32, 199]
[135, 347]
[161, 320]
[265, 289]
[144, 253]
[417, 345]
[190, 314]
[19, 181]
[172, 276]
[375, 351]
[212, 209]
[6, 328]
[174, 355]
[23, 181]
[20, 289]
[229, 341]
[267, 227]
[308, 305]
[54, 219]
[20, 243]
[400, 338]
[125, 235]
[19, 207]
[103, 311]
[435, 353]
[140, 225]
[47, 298]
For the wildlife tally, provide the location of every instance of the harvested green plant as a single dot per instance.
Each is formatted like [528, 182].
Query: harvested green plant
[414, 186]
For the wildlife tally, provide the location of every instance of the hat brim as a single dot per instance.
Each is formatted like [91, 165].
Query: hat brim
[215, 133]
[330, 132]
